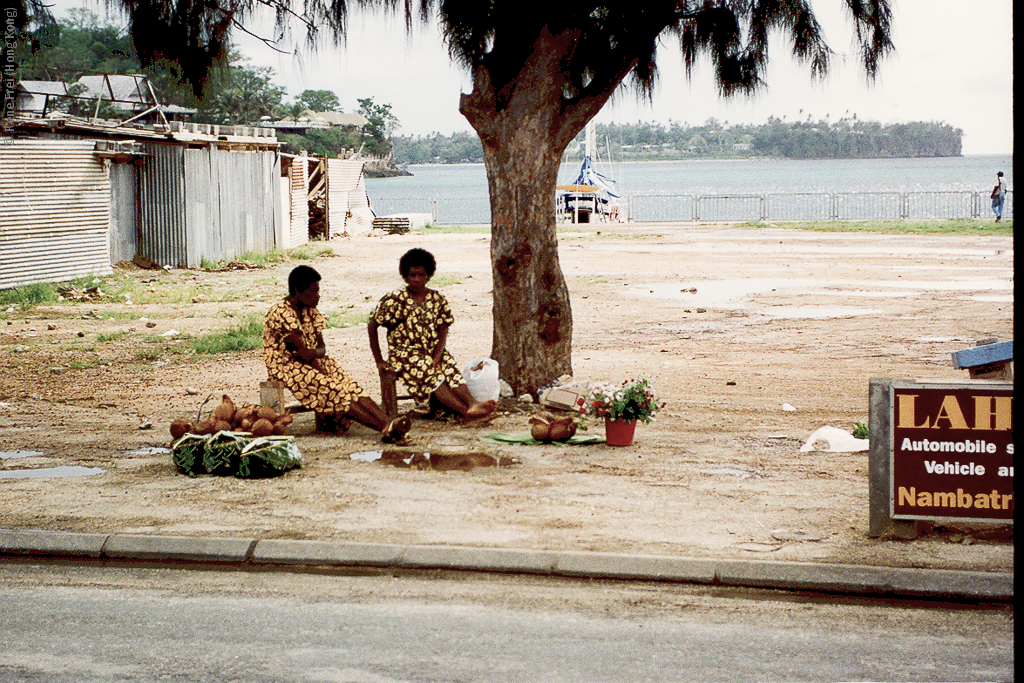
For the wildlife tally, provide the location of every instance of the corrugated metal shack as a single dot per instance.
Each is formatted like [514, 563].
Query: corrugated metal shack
[348, 206]
[77, 197]
[295, 197]
[54, 211]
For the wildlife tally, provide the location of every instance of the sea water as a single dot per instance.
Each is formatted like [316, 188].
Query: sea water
[712, 177]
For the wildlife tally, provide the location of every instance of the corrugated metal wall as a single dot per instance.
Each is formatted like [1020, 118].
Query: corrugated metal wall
[162, 204]
[54, 211]
[239, 199]
[343, 176]
[297, 227]
[64, 214]
[124, 219]
[205, 202]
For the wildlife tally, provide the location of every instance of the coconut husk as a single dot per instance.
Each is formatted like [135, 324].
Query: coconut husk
[225, 411]
[262, 427]
[204, 427]
[180, 428]
[541, 431]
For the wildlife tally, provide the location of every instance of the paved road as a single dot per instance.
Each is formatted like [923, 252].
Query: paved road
[65, 622]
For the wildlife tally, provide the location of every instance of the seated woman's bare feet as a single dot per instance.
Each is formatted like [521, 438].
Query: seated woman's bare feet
[396, 429]
[483, 408]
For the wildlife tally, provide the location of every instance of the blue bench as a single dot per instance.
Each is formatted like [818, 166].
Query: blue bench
[993, 360]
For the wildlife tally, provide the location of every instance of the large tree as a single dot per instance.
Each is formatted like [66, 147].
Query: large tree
[541, 70]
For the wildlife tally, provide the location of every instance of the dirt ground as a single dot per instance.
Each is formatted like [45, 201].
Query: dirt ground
[731, 323]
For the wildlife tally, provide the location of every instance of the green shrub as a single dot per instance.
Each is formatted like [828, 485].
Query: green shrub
[861, 431]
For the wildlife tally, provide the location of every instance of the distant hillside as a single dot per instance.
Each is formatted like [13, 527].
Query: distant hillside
[847, 138]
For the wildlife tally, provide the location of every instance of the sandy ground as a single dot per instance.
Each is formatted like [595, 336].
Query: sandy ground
[731, 323]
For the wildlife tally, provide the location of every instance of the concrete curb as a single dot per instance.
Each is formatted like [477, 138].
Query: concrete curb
[255, 553]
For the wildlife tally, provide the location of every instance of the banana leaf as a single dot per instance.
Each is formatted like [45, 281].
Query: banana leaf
[268, 456]
[187, 453]
[527, 440]
[223, 452]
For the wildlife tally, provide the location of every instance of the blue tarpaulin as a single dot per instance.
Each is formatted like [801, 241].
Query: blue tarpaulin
[590, 176]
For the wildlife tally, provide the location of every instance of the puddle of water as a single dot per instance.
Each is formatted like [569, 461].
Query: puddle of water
[734, 293]
[51, 472]
[10, 455]
[444, 462]
[367, 456]
[877, 294]
[790, 312]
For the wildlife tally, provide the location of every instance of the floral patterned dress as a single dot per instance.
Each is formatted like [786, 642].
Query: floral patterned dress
[324, 390]
[413, 335]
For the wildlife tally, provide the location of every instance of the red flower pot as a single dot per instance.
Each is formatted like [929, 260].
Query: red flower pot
[619, 433]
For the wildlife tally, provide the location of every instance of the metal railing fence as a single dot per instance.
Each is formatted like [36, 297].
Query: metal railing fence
[780, 206]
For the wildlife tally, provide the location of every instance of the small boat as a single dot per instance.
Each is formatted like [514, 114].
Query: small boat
[593, 194]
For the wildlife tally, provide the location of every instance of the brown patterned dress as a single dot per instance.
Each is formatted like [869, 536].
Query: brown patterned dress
[413, 335]
[325, 388]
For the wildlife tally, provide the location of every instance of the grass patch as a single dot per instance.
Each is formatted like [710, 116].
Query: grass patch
[256, 258]
[431, 229]
[309, 251]
[104, 337]
[338, 319]
[118, 315]
[444, 280]
[303, 252]
[177, 292]
[245, 336]
[954, 226]
[27, 296]
[79, 364]
[148, 355]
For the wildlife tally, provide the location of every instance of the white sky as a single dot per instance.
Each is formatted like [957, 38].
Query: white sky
[953, 64]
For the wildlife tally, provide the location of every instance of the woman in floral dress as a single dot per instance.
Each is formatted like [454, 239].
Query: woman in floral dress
[295, 354]
[417, 319]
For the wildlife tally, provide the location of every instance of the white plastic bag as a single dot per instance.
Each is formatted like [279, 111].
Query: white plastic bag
[481, 375]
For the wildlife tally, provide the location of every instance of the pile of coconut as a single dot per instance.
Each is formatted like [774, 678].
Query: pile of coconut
[546, 427]
[226, 417]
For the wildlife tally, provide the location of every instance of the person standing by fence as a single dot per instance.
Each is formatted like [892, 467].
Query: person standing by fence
[999, 196]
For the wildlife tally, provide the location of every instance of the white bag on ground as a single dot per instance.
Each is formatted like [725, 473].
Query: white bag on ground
[481, 375]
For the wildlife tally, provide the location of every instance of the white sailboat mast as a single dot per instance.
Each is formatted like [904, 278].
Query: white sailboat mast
[591, 142]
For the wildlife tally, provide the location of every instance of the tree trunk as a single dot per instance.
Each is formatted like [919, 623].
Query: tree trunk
[532, 339]
[525, 121]
[524, 131]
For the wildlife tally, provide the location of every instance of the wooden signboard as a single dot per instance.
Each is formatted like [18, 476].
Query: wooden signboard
[940, 451]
